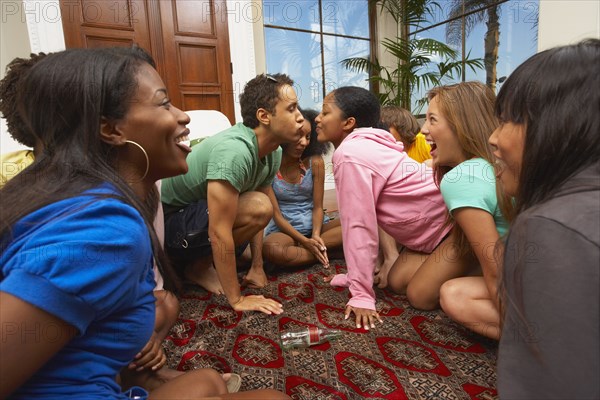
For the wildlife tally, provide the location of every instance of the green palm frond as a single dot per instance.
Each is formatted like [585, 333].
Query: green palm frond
[415, 67]
[361, 64]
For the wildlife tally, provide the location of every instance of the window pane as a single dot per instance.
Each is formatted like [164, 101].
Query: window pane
[292, 14]
[338, 49]
[438, 33]
[440, 12]
[346, 17]
[518, 35]
[297, 54]
[517, 39]
[474, 47]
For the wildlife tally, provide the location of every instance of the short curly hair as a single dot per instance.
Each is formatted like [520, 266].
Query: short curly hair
[261, 92]
[403, 121]
[314, 148]
[9, 87]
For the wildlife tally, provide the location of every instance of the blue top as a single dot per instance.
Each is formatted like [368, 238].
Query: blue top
[472, 183]
[88, 261]
[295, 202]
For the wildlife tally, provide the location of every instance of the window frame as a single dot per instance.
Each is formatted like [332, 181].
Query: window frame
[372, 20]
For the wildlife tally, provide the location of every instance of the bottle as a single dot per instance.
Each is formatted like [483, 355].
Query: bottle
[305, 337]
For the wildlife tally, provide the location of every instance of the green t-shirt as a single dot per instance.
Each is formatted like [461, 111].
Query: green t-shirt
[232, 156]
[472, 183]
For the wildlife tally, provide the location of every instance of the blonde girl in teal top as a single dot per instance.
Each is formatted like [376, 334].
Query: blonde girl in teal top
[459, 122]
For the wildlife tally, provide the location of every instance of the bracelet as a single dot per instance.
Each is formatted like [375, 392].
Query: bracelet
[238, 302]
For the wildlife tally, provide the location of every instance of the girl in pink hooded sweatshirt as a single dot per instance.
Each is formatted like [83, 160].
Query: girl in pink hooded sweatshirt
[378, 184]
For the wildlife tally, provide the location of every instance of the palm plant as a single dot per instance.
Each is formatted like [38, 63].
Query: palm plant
[414, 68]
[478, 11]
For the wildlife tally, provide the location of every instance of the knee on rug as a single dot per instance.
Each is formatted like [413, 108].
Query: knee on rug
[422, 297]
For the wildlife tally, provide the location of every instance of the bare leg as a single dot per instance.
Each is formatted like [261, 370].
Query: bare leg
[167, 312]
[256, 277]
[195, 384]
[147, 379]
[245, 258]
[282, 250]
[207, 383]
[203, 273]
[254, 213]
[445, 263]
[331, 233]
[404, 268]
[390, 254]
[467, 301]
[261, 394]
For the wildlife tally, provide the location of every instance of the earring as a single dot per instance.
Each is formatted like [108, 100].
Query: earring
[145, 155]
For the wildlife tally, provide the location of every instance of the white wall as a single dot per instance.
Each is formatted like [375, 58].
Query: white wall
[14, 41]
[564, 22]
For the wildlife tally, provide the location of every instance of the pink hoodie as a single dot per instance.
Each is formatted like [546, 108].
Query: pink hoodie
[378, 184]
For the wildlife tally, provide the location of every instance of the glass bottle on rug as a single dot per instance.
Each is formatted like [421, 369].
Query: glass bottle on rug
[306, 337]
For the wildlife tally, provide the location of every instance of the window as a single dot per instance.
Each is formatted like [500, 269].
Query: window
[307, 39]
[470, 28]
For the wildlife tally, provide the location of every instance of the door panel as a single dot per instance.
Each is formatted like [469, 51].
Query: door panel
[90, 23]
[188, 39]
[195, 35]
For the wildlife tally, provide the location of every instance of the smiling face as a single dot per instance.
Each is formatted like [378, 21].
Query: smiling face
[287, 122]
[332, 126]
[156, 125]
[446, 150]
[508, 142]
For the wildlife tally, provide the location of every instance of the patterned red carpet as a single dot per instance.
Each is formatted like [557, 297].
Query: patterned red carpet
[412, 355]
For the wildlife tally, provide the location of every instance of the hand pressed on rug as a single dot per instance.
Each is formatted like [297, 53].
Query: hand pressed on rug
[364, 316]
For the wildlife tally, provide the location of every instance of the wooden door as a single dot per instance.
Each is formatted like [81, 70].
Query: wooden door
[188, 39]
[195, 32]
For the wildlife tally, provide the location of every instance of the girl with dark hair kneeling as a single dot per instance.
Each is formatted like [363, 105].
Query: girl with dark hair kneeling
[548, 157]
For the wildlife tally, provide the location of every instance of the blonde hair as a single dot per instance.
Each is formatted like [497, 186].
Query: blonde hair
[469, 109]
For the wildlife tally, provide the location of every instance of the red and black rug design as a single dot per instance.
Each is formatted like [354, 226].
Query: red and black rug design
[412, 355]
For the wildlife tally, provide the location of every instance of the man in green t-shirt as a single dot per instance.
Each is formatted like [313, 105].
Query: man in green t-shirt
[222, 202]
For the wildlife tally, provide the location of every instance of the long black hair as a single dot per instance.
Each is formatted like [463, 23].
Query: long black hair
[555, 95]
[61, 100]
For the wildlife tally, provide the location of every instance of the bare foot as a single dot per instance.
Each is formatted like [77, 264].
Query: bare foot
[255, 278]
[381, 277]
[205, 276]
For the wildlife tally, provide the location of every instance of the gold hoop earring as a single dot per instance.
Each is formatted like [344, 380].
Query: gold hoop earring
[145, 155]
